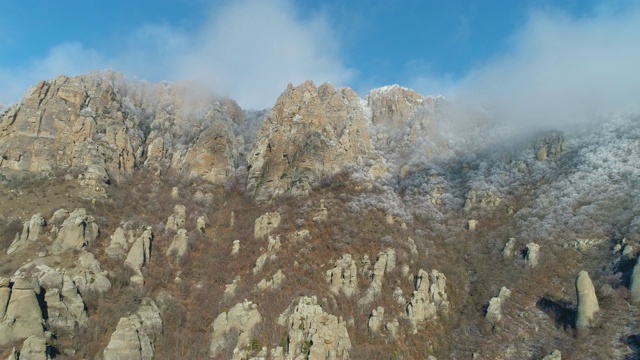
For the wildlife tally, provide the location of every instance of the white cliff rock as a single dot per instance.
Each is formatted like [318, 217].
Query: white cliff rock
[429, 298]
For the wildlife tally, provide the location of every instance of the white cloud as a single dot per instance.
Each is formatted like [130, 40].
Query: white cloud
[69, 59]
[252, 49]
[248, 50]
[561, 70]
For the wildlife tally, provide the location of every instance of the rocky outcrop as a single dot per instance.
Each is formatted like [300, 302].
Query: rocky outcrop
[386, 262]
[429, 298]
[272, 284]
[634, 286]
[76, 232]
[310, 134]
[344, 276]
[177, 219]
[532, 257]
[65, 306]
[550, 146]
[240, 321]
[376, 319]
[30, 233]
[482, 199]
[135, 335]
[179, 245]
[266, 224]
[201, 224]
[494, 310]
[34, 348]
[508, 250]
[20, 313]
[139, 255]
[312, 333]
[235, 248]
[269, 254]
[587, 301]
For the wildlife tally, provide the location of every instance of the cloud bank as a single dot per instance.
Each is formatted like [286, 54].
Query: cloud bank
[249, 50]
[561, 70]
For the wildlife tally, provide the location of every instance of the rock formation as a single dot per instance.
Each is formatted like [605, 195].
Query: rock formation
[30, 232]
[135, 335]
[179, 245]
[240, 320]
[344, 276]
[376, 319]
[265, 224]
[385, 263]
[587, 301]
[507, 251]
[494, 310]
[139, 255]
[20, 314]
[269, 254]
[429, 297]
[272, 284]
[533, 251]
[34, 348]
[555, 355]
[311, 133]
[313, 333]
[177, 219]
[76, 232]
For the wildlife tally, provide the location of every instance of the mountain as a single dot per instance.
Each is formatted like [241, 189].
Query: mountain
[163, 221]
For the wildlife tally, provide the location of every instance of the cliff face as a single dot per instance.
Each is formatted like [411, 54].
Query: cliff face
[102, 127]
[312, 132]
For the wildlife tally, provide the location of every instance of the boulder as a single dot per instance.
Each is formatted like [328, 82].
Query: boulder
[235, 249]
[587, 301]
[554, 355]
[76, 232]
[494, 310]
[201, 224]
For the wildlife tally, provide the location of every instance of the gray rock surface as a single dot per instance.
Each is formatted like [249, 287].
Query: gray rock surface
[76, 232]
[30, 233]
[20, 313]
[135, 335]
[179, 246]
[240, 320]
[344, 276]
[266, 224]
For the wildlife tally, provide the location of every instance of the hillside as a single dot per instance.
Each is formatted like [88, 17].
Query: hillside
[161, 221]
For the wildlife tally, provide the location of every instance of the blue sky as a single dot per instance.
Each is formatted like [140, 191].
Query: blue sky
[251, 49]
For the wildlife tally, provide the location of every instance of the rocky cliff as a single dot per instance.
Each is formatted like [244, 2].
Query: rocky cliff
[161, 221]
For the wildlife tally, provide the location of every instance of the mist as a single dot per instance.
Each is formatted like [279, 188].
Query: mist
[559, 71]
